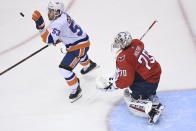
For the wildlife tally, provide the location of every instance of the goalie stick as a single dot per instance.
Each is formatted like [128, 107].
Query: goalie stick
[155, 21]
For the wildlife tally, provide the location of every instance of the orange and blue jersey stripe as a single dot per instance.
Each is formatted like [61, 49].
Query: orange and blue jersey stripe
[82, 43]
[47, 37]
[85, 60]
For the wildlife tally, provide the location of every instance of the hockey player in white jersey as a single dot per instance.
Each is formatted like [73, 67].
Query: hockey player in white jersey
[64, 29]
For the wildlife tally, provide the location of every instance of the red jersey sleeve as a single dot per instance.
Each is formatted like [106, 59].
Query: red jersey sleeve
[125, 70]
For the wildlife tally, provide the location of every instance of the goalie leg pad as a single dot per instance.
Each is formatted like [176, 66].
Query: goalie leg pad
[139, 107]
[143, 108]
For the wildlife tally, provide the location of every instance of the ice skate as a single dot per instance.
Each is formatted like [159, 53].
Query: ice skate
[155, 113]
[75, 95]
[92, 66]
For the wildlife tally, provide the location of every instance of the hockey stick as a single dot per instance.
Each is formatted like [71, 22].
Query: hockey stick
[23, 60]
[148, 29]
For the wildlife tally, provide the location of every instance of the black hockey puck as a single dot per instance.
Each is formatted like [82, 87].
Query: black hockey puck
[21, 14]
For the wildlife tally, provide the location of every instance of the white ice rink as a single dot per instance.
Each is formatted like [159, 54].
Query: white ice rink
[33, 96]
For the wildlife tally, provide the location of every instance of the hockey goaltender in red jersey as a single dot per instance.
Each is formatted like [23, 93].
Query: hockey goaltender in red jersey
[138, 73]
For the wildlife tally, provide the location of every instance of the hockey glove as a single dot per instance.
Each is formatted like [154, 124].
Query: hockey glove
[109, 88]
[39, 21]
[105, 85]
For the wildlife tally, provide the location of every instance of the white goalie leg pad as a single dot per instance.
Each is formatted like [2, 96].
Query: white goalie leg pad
[139, 108]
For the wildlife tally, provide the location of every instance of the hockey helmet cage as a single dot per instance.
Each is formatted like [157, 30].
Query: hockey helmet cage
[122, 40]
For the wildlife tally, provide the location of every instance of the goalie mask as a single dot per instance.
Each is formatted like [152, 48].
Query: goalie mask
[55, 9]
[122, 40]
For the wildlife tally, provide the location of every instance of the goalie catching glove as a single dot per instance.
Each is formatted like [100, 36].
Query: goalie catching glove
[106, 85]
[39, 21]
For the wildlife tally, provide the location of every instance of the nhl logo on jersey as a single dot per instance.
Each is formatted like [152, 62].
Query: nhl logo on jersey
[121, 58]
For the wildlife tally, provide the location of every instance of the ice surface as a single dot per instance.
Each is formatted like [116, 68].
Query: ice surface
[179, 114]
[33, 96]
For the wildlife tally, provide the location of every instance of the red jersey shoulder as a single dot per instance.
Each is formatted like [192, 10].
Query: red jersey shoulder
[134, 50]
[137, 47]
[128, 57]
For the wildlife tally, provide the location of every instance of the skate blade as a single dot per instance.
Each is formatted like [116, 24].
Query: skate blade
[75, 99]
[155, 119]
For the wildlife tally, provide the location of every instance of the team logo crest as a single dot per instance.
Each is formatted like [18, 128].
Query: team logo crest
[121, 58]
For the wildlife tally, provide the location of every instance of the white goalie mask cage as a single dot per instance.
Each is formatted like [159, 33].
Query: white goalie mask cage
[122, 40]
[57, 6]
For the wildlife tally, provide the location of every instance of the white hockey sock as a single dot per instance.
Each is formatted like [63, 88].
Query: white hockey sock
[71, 79]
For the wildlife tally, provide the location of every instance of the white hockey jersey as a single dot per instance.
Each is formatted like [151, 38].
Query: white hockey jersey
[65, 30]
